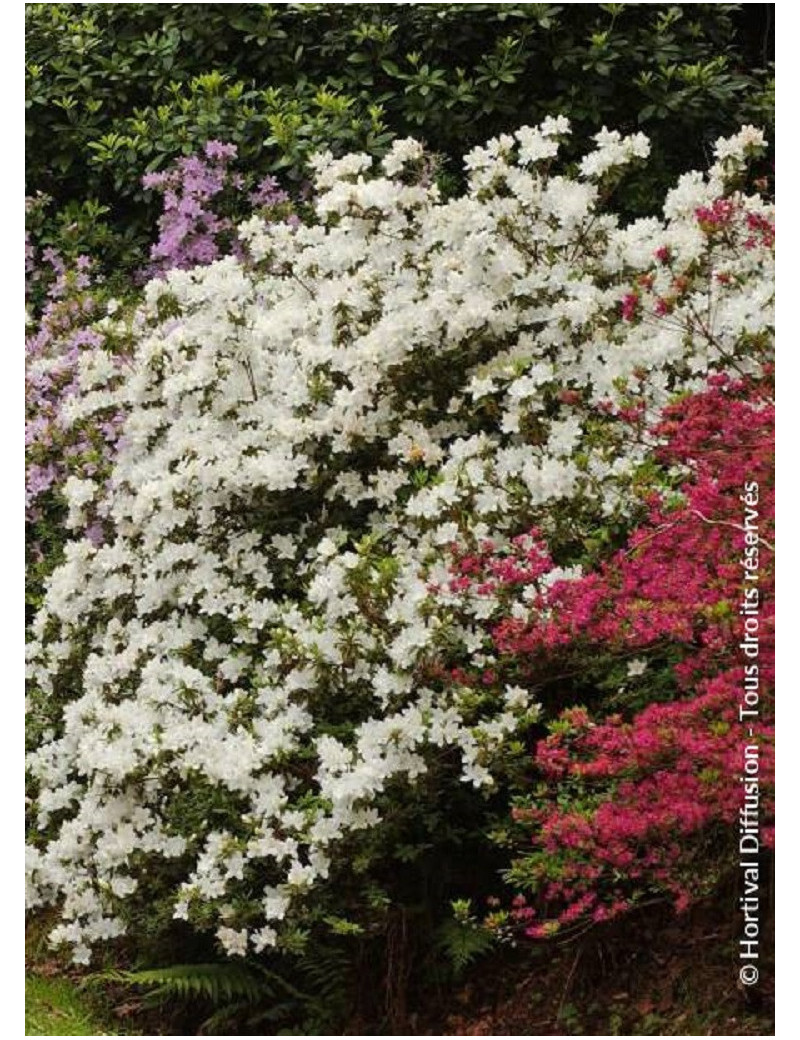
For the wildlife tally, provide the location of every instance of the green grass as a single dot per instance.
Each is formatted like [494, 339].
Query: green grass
[56, 1007]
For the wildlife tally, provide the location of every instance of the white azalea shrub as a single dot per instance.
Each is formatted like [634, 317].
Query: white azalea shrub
[265, 628]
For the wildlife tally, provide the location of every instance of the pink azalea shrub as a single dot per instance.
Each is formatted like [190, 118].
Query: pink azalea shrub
[631, 805]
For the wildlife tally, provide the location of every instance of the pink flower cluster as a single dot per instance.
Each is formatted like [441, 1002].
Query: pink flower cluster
[660, 289]
[725, 216]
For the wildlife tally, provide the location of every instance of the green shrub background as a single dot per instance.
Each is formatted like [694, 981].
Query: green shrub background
[117, 90]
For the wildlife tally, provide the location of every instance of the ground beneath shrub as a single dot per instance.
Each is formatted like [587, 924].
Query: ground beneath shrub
[653, 974]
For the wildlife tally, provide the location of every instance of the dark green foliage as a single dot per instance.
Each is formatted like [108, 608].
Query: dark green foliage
[115, 90]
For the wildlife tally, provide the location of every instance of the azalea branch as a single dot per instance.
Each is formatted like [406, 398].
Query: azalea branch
[736, 527]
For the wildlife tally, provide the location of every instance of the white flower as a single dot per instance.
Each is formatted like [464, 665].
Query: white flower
[516, 698]
[233, 942]
[636, 667]
[264, 938]
[535, 144]
[402, 152]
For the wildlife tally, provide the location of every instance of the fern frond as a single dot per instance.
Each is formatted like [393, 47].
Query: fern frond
[463, 942]
[216, 983]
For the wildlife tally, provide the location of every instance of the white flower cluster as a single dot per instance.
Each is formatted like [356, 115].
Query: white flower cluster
[237, 675]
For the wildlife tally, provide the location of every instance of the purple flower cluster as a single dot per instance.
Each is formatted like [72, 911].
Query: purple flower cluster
[268, 193]
[194, 228]
[56, 448]
[190, 231]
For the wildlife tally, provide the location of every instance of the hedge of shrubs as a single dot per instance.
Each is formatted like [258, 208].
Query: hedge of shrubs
[117, 90]
[385, 544]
